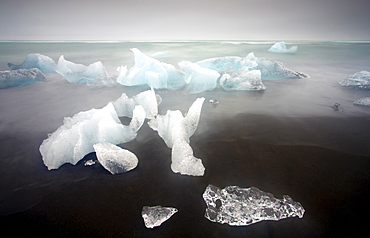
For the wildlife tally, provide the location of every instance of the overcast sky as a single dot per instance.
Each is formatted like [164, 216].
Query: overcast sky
[185, 20]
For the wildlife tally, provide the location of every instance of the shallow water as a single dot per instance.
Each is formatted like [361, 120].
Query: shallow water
[285, 140]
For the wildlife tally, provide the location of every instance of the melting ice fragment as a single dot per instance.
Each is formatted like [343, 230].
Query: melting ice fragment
[244, 206]
[175, 130]
[42, 62]
[242, 80]
[363, 101]
[77, 73]
[155, 216]
[280, 47]
[115, 159]
[76, 137]
[197, 78]
[359, 80]
[20, 77]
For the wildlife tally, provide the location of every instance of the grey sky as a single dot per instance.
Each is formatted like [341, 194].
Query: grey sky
[185, 20]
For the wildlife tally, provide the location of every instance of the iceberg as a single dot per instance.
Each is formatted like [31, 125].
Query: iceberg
[270, 69]
[242, 80]
[155, 216]
[77, 73]
[151, 72]
[245, 206]
[76, 137]
[359, 80]
[198, 79]
[363, 101]
[115, 159]
[280, 47]
[175, 130]
[42, 62]
[20, 77]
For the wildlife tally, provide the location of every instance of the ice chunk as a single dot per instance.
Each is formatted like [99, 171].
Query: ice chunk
[76, 137]
[197, 78]
[152, 72]
[115, 159]
[155, 216]
[175, 130]
[363, 101]
[280, 47]
[42, 62]
[244, 206]
[77, 73]
[148, 99]
[242, 80]
[359, 80]
[270, 69]
[20, 77]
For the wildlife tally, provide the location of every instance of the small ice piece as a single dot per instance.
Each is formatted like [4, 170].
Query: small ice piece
[280, 47]
[89, 162]
[214, 102]
[76, 137]
[115, 159]
[20, 77]
[175, 130]
[77, 73]
[197, 78]
[155, 216]
[42, 62]
[245, 206]
[363, 101]
[242, 80]
[359, 80]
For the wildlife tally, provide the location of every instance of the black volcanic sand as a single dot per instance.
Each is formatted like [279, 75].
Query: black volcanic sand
[321, 162]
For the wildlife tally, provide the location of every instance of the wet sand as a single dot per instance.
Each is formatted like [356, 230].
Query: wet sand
[321, 162]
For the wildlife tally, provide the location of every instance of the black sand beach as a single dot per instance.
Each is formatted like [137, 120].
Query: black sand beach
[321, 162]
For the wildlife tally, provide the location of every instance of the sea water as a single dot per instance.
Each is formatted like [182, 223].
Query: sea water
[28, 114]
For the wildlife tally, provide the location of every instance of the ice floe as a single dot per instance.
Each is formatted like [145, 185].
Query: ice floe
[365, 101]
[20, 77]
[155, 216]
[359, 80]
[280, 47]
[42, 62]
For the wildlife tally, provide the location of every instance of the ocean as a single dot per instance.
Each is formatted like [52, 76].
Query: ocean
[288, 139]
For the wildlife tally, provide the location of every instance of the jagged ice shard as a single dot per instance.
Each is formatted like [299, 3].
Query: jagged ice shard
[77, 73]
[42, 62]
[245, 206]
[76, 137]
[175, 130]
[20, 77]
[280, 47]
[155, 216]
[115, 159]
[359, 80]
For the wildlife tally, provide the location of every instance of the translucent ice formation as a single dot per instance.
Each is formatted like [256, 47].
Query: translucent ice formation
[115, 159]
[280, 47]
[363, 101]
[244, 206]
[77, 73]
[76, 137]
[148, 99]
[20, 77]
[197, 78]
[155, 216]
[359, 80]
[42, 62]
[175, 130]
[152, 72]
[242, 80]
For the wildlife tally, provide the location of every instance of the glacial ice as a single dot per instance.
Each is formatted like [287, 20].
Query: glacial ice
[365, 101]
[42, 62]
[197, 78]
[76, 137]
[359, 80]
[115, 159]
[151, 72]
[155, 216]
[175, 130]
[244, 206]
[77, 73]
[242, 80]
[20, 77]
[270, 69]
[280, 47]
